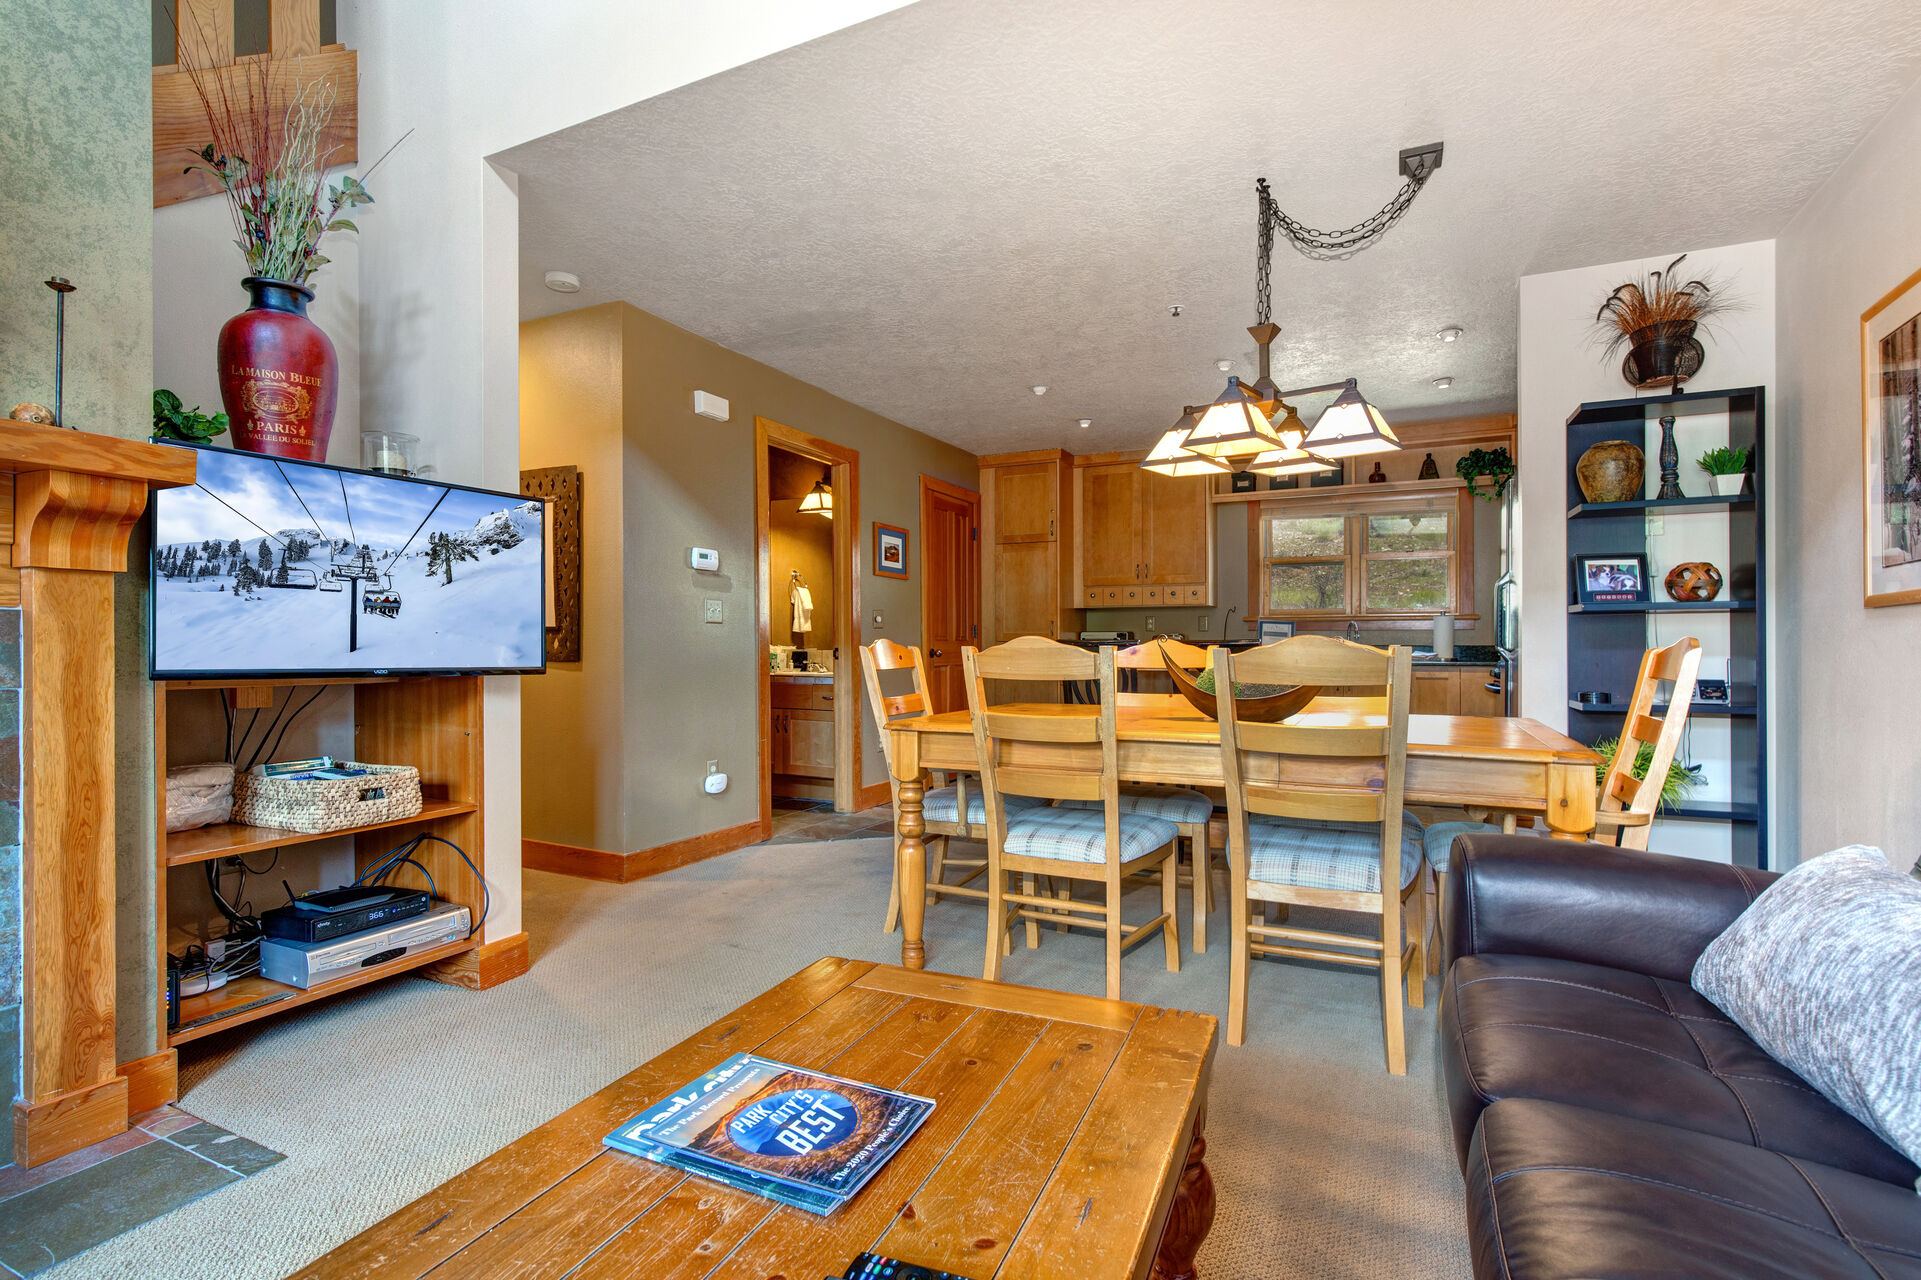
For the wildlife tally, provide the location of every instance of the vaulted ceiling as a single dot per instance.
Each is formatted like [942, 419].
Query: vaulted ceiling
[930, 212]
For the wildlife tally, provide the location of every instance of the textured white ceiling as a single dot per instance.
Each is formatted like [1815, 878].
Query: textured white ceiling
[931, 211]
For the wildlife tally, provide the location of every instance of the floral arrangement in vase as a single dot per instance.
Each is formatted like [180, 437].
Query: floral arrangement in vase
[279, 376]
[1656, 320]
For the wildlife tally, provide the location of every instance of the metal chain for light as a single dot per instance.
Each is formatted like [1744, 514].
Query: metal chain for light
[1323, 245]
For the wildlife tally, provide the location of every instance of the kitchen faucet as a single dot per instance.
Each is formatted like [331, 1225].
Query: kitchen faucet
[1353, 631]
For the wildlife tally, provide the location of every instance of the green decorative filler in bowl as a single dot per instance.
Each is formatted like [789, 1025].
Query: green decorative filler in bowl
[1264, 702]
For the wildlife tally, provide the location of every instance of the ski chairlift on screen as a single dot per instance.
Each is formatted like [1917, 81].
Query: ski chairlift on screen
[287, 577]
[384, 601]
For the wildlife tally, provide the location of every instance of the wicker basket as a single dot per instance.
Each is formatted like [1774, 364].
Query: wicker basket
[387, 793]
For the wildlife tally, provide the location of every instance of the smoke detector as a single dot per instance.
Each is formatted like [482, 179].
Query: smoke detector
[562, 281]
[1225, 366]
[1174, 310]
[1442, 384]
[1450, 334]
[1039, 391]
[1086, 423]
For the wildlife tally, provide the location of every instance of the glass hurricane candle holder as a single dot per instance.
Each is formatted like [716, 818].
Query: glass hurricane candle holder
[393, 453]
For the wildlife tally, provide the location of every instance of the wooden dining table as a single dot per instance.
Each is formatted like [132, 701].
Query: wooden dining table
[1509, 764]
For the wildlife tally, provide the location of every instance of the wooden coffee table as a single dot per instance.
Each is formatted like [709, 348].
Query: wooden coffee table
[1067, 1143]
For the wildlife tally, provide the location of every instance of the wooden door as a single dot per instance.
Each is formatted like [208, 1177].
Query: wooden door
[1173, 528]
[1110, 526]
[1024, 503]
[1435, 693]
[950, 586]
[810, 744]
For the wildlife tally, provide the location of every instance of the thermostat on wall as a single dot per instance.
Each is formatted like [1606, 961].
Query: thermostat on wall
[706, 559]
[709, 405]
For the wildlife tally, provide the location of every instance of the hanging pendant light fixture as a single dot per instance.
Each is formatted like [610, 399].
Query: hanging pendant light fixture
[1169, 457]
[819, 501]
[1351, 427]
[1235, 429]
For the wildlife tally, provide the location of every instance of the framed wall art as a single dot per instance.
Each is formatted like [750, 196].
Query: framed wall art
[1891, 447]
[890, 550]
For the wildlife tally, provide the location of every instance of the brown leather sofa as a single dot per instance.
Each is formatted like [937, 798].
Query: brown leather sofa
[1609, 1120]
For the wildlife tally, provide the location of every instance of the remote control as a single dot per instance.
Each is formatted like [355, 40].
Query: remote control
[873, 1266]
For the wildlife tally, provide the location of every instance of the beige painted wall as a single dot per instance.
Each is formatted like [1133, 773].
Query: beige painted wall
[1848, 699]
[572, 717]
[803, 542]
[687, 689]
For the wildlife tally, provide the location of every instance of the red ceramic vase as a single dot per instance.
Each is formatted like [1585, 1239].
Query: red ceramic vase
[279, 376]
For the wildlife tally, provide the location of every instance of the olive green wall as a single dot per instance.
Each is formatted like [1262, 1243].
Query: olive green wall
[686, 688]
[77, 152]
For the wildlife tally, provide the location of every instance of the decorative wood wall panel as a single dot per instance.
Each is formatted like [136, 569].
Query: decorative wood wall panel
[560, 486]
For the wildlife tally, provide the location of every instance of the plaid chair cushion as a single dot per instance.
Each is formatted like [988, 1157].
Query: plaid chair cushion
[1440, 840]
[1327, 855]
[942, 805]
[1080, 835]
[1176, 804]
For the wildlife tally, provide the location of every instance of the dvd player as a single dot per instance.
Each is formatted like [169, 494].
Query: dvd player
[335, 913]
[308, 964]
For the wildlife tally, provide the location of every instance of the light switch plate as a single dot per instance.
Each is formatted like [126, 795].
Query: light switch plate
[714, 612]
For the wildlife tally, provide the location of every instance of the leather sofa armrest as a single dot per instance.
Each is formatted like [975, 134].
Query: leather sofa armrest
[1645, 912]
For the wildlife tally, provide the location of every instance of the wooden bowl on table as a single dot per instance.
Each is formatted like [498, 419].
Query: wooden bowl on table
[1265, 706]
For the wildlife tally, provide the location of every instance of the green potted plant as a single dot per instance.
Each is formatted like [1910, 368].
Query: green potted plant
[1727, 470]
[1680, 783]
[173, 422]
[1496, 464]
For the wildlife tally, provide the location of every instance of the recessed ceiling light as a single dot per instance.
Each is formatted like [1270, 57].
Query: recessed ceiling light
[1086, 423]
[562, 281]
[1449, 334]
[1442, 384]
[1039, 391]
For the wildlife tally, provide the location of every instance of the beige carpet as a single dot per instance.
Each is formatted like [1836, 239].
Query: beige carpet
[1325, 1165]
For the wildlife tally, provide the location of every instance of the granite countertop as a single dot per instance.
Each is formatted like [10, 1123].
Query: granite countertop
[1465, 655]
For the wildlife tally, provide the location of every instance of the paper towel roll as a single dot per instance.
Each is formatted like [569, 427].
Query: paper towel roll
[1444, 636]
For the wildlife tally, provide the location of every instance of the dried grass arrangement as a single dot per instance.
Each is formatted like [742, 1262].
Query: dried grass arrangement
[1635, 310]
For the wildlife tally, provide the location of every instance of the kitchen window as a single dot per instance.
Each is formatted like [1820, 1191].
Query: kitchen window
[1372, 557]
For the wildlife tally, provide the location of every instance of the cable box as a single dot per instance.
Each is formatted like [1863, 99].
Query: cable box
[308, 964]
[336, 913]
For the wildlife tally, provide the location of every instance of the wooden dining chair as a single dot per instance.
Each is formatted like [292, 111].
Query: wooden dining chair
[1186, 808]
[1315, 819]
[1066, 753]
[953, 811]
[1625, 807]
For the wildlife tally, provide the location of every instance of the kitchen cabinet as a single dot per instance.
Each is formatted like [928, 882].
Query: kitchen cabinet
[1456, 690]
[1027, 546]
[1146, 539]
[1483, 691]
[804, 743]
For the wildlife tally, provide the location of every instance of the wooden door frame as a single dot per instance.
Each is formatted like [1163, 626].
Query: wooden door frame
[844, 465]
[959, 493]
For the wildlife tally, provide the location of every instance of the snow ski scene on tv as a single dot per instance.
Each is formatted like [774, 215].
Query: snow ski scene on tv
[268, 567]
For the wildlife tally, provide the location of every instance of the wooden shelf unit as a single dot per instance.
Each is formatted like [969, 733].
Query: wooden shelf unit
[430, 722]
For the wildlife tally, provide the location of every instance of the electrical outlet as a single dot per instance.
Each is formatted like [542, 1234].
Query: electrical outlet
[714, 613]
[1657, 526]
[1207, 624]
[1150, 623]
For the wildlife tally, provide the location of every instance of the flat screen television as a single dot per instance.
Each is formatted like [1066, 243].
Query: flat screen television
[266, 567]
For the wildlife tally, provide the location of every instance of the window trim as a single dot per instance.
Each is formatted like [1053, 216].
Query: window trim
[1356, 507]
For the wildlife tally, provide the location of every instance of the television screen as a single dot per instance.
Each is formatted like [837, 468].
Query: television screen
[269, 567]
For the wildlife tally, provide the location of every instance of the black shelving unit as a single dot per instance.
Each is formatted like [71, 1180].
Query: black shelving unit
[1605, 641]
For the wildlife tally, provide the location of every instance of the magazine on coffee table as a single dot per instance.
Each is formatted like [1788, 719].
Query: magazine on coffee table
[800, 1137]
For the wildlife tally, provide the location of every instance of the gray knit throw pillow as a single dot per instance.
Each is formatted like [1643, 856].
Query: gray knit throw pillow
[1824, 971]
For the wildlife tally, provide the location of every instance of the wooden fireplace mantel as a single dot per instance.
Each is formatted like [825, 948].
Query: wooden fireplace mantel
[68, 503]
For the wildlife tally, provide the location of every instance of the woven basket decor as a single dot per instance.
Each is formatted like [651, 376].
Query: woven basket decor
[387, 793]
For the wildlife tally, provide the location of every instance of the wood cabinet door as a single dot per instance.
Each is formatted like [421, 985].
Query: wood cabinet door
[1173, 528]
[1024, 499]
[1110, 525]
[1476, 698]
[780, 750]
[1026, 594]
[1435, 693]
[810, 744]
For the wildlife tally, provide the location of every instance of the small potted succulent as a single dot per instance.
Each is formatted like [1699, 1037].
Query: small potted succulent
[1727, 470]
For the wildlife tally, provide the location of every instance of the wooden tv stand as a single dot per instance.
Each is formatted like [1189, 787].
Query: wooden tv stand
[430, 722]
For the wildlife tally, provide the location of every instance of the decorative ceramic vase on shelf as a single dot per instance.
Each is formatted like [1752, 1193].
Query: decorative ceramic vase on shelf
[279, 377]
[1611, 471]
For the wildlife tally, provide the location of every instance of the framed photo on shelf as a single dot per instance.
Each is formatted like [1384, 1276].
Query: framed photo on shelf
[1891, 447]
[890, 550]
[1611, 579]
